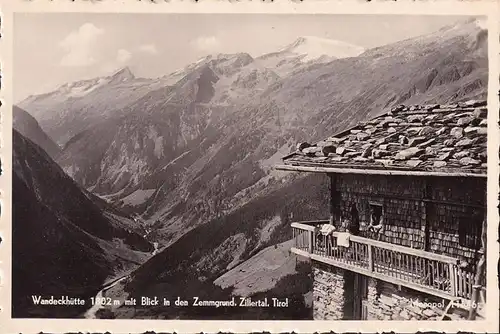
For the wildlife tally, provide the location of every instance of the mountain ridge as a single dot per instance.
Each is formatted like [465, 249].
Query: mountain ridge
[123, 74]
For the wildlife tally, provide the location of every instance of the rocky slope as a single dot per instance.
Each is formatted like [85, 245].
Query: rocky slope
[28, 126]
[63, 241]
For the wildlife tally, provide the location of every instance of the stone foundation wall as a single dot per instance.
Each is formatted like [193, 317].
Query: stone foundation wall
[332, 294]
[387, 302]
[328, 293]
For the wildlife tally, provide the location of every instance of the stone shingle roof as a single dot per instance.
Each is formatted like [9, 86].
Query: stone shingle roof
[430, 138]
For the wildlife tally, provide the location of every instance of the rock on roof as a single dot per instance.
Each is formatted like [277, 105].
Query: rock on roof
[431, 138]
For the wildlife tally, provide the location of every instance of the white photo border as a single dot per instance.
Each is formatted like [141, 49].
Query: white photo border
[439, 7]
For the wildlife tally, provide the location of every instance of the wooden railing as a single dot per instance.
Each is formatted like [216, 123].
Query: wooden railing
[417, 269]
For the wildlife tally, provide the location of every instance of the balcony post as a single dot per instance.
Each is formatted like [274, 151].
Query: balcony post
[334, 199]
[370, 257]
[453, 279]
[311, 241]
[480, 274]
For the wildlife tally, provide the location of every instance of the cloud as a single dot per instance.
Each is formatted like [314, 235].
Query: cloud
[77, 46]
[108, 67]
[111, 64]
[123, 56]
[148, 48]
[206, 43]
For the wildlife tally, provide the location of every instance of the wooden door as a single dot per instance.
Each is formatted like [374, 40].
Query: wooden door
[360, 297]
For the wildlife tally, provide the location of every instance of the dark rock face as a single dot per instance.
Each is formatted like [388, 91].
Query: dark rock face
[51, 252]
[51, 256]
[58, 235]
[205, 85]
[55, 189]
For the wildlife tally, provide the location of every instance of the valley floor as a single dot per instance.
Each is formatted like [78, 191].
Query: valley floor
[272, 273]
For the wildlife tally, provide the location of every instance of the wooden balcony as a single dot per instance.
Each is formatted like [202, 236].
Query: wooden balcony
[427, 272]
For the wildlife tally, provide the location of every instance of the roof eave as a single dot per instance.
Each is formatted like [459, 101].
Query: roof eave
[347, 170]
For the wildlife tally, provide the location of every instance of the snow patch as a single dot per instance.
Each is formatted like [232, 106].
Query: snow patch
[86, 89]
[176, 159]
[315, 47]
[71, 170]
[156, 249]
[201, 60]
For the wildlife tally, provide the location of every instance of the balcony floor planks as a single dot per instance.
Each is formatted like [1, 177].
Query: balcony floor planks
[377, 275]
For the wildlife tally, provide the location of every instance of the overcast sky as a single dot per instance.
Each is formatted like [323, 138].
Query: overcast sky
[52, 49]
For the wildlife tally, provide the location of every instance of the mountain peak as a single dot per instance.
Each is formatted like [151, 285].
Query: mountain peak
[464, 27]
[299, 41]
[314, 47]
[122, 74]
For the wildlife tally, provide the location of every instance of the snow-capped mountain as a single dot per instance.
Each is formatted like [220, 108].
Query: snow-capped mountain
[308, 50]
[78, 89]
[76, 106]
[312, 47]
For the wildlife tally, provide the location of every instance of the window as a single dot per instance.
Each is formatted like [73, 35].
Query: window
[469, 231]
